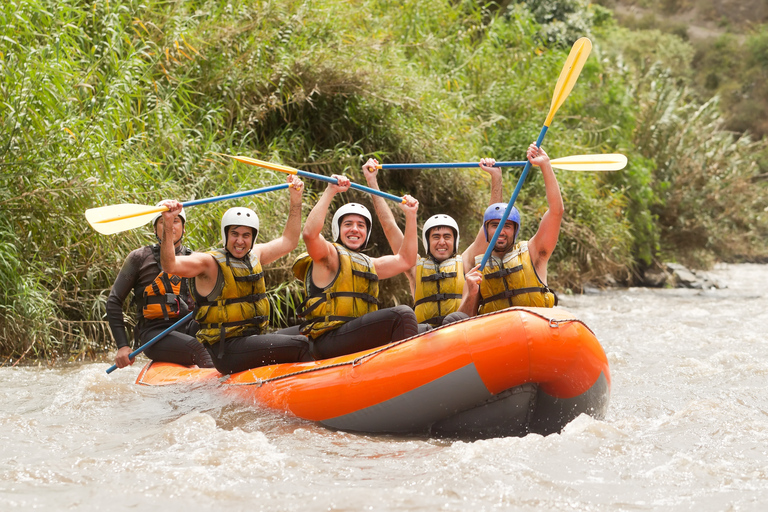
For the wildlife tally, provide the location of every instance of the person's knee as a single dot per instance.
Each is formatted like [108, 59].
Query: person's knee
[454, 317]
[408, 325]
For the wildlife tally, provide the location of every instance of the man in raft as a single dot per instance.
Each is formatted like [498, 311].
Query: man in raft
[437, 279]
[516, 273]
[160, 299]
[228, 286]
[341, 313]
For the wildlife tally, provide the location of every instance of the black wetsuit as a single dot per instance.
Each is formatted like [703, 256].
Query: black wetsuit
[140, 269]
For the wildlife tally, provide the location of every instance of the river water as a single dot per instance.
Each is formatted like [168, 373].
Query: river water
[686, 429]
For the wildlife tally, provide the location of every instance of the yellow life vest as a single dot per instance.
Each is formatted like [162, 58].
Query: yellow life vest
[242, 307]
[512, 281]
[438, 289]
[167, 296]
[353, 292]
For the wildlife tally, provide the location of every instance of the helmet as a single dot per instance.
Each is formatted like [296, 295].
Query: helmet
[160, 214]
[494, 212]
[350, 209]
[239, 216]
[437, 221]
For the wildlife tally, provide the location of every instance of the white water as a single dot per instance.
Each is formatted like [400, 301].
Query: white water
[687, 429]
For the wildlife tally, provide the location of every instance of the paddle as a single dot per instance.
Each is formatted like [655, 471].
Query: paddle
[305, 174]
[568, 76]
[155, 339]
[116, 218]
[607, 162]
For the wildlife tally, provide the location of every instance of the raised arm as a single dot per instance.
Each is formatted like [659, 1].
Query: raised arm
[197, 264]
[479, 244]
[489, 166]
[542, 244]
[387, 220]
[389, 266]
[321, 251]
[279, 247]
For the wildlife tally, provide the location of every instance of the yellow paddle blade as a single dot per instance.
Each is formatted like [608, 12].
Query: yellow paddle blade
[116, 218]
[607, 162]
[568, 76]
[262, 163]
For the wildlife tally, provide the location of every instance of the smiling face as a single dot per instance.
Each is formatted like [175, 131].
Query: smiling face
[353, 230]
[506, 237]
[441, 241]
[178, 229]
[239, 240]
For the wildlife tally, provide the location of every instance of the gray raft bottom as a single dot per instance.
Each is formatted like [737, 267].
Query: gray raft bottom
[459, 405]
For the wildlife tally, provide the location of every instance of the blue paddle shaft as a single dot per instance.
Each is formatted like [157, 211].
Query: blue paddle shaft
[512, 200]
[155, 339]
[235, 195]
[373, 191]
[456, 165]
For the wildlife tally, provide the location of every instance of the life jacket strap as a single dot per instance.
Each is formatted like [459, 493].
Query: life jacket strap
[366, 275]
[250, 277]
[506, 294]
[438, 276]
[504, 272]
[328, 296]
[437, 298]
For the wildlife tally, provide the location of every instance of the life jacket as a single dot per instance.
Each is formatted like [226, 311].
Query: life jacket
[512, 281]
[438, 289]
[166, 297]
[353, 292]
[241, 308]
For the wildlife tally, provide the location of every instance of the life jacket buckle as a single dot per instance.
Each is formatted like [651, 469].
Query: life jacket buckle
[553, 323]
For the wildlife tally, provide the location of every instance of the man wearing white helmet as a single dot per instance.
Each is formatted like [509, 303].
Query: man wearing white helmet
[161, 299]
[516, 272]
[437, 279]
[341, 313]
[228, 286]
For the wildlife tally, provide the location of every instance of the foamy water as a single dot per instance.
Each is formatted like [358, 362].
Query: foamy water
[686, 429]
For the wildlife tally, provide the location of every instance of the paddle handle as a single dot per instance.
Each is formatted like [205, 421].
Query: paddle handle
[511, 203]
[234, 195]
[455, 165]
[363, 188]
[155, 339]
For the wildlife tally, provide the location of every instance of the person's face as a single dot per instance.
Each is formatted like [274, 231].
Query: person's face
[353, 231]
[441, 242]
[239, 240]
[178, 229]
[506, 237]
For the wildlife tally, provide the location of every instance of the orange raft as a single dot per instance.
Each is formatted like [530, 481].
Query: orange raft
[508, 373]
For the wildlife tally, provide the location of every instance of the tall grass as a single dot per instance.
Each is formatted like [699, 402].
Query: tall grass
[129, 101]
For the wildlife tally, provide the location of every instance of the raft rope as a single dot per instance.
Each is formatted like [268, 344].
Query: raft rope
[553, 323]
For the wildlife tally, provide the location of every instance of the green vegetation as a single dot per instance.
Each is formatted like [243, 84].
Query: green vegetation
[127, 101]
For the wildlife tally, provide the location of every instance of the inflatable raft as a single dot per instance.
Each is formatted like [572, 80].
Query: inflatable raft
[509, 373]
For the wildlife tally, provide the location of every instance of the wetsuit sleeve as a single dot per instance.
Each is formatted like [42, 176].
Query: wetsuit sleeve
[123, 285]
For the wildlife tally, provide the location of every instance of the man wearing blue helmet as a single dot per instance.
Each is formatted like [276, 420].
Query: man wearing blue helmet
[437, 279]
[516, 272]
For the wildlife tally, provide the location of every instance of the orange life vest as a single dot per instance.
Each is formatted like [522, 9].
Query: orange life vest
[166, 297]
